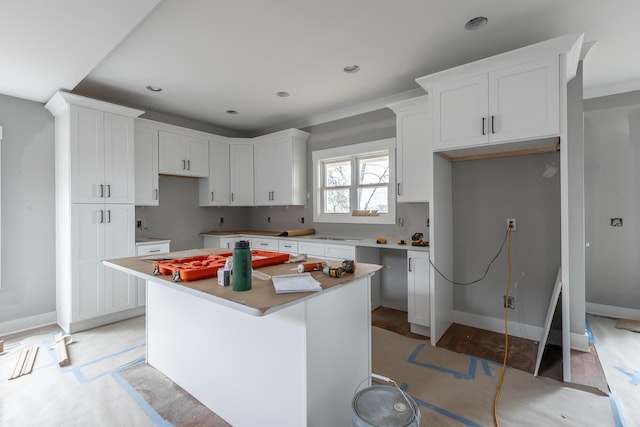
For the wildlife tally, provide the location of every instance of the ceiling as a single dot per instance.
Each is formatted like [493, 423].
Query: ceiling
[213, 56]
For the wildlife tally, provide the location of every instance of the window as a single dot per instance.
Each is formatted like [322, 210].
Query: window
[352, 183]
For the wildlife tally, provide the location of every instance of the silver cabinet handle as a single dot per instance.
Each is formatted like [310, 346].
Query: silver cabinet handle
[398, 189]
[483, 131]
[493, 124]
[409, 264]
[273, 195]
[108, 190]
[232, 196]
[188, 165]
[101, 193]
[287, 246]
[212, 196]
[184, 165]
[101, 217]
[108, 216]
[153, 250]
[155, 194]
[264, 244]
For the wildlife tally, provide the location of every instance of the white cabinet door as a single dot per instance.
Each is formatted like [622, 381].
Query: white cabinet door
[198, 157]
[288, 246]
[241, 174]
[87, 271]
[146, 166]
[87, 155]
[460, 113]
[280, 168]
[418, 279]
[214, 190]
[119, 242]
[273, 172]
[119, 175]
[524, 101]
[311, 249]
[339, 252]
[414, 148]
[183, 155]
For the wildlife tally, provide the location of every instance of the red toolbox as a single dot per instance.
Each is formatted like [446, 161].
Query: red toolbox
[205, 266]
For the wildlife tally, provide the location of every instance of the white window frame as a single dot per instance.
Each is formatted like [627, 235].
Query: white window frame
[320, 156]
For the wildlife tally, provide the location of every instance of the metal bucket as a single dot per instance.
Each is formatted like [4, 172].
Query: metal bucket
[384, 406]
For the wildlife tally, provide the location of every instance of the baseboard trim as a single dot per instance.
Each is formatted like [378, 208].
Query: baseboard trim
[83, 325]
[533, 333]
[24, 324]
[613, 311]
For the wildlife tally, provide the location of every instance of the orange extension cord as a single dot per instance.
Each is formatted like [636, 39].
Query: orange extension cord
[506, 334]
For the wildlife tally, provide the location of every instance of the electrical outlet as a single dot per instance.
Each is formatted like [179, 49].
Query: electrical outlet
[221, 220]
[511, 302]
[301, 220]
[269, 219]
[141, 223]
[511, 222]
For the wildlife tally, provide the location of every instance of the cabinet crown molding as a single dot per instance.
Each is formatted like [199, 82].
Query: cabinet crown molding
[570, 45]
[60, 101]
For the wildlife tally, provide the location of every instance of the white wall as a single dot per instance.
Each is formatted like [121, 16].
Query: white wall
[612, 190]
[485, 194]
[28, 245]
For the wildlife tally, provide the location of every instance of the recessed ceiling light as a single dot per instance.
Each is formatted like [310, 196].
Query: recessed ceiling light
[283, 94]
[476, 23]
[232, 112]
[351, 69]
[154, 88]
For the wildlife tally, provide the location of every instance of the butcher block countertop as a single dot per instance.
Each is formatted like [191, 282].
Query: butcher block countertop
[260, 300]
[284, 233]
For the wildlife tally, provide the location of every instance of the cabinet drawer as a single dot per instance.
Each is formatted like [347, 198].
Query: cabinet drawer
[159, 248]
[264, 244]
[287, 247]
[311, 249]
[340, 251]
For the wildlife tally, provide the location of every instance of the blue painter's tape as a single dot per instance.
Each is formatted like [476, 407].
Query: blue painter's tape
[615, 409]
[470, 375]
[462, 420]
[77, 370]
[587, 327]
[635, 377]
[148, 409]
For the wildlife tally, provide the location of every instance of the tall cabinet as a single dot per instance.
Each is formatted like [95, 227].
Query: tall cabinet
[95, 186]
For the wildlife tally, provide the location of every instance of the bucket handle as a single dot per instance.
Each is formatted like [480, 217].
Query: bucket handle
[389, 380]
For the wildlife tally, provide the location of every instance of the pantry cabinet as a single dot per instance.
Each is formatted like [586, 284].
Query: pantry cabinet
[215, 190]
[101, 156]
[413, 145]
[147, 187]
[280, 170]
[94, 159]
[183, 155]
[507, 104]
[418, 291]
[241, 172]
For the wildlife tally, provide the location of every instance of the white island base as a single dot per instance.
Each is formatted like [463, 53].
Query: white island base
[297, 366]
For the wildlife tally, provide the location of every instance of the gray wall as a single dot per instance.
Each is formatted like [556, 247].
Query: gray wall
[28, 197]
[485, 194]
[612, 190]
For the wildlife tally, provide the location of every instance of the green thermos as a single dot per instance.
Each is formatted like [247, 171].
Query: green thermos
[241, 273]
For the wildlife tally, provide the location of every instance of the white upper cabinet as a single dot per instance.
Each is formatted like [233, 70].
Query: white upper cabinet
[183, 155]
[101, 148]
[280, 168]
[215, 190]
[413, 145]
[510, 104]
[146, 166]
[241, 172]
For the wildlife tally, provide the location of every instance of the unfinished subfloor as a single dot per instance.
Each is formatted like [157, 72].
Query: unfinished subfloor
[108, 383]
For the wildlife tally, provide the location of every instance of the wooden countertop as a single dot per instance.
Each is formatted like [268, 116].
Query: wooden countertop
[260, 300]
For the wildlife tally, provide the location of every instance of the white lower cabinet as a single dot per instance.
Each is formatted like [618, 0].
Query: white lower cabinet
[141, 284]
[288, 246]
[100, 232]
[418, 292]
[264, 244]
[339, 252]
[224, 242]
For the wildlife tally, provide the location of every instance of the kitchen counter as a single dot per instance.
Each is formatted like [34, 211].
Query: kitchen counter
[258, 358]
[349, 241]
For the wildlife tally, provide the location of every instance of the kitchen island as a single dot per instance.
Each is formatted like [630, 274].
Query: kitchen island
[257, 357]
